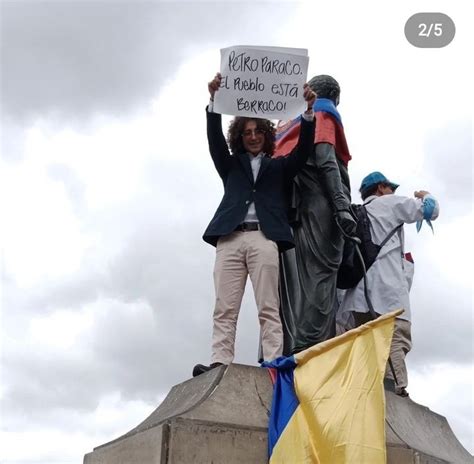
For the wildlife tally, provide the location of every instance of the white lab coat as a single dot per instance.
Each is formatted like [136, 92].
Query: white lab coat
[389, 278]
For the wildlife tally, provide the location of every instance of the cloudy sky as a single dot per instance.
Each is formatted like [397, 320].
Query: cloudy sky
[107, 186]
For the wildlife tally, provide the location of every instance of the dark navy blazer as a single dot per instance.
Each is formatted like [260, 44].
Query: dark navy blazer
[268, 192]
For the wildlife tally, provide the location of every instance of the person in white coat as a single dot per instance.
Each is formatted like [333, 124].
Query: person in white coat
[389, 278]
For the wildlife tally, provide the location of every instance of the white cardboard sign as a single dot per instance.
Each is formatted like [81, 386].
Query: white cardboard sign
[262, 82]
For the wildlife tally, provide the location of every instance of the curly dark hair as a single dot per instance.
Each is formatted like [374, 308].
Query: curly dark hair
[236, 129]
[326, 87]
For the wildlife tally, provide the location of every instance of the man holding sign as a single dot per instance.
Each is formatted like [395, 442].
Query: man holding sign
[250, 226]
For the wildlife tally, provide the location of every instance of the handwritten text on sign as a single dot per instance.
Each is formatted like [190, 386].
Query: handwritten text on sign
[262, 82]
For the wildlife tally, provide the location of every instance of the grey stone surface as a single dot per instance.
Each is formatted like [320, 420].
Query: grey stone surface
[417, 427]
[243, 398]
[221, 417]
[202, 443]
[398, 455]
[143, 448]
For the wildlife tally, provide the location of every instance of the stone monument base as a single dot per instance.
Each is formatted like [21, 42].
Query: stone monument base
[221, 417]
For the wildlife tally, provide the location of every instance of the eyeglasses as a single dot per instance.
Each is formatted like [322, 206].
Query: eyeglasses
[250, 132]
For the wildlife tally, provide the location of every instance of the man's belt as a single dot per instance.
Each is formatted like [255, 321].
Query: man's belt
[248, 226]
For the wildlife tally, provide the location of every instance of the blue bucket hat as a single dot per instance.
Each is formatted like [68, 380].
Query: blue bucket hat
[375, 178]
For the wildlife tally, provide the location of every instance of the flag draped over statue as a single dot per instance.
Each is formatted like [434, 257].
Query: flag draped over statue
[329, 402]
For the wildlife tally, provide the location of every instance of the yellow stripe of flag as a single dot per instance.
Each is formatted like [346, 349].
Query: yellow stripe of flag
[341, 414]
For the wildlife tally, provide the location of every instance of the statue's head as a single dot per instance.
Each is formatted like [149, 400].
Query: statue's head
[326, 87]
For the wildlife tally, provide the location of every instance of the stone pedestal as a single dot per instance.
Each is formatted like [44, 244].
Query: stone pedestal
[221, 417]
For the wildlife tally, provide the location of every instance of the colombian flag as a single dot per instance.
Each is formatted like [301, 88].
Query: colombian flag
[329, 129]
[328, 400]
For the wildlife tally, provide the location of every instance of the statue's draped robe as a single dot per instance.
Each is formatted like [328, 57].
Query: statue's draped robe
[308, 273]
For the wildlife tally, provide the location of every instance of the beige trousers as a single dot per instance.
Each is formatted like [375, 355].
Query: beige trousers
[238, 255]
[401, 345]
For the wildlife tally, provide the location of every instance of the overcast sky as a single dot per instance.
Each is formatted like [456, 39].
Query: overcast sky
[107, 187]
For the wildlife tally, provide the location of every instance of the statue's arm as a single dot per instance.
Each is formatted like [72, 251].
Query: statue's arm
[298, 157]
[328, 168]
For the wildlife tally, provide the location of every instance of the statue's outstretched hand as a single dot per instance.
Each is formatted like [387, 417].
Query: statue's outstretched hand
[347, 222]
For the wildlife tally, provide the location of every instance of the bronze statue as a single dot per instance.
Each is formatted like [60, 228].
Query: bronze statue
[320, 193]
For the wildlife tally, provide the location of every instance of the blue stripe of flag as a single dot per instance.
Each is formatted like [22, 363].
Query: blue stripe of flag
[284, 402]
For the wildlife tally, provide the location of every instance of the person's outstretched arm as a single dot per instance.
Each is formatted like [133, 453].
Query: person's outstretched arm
[298, 157]
[217, 144]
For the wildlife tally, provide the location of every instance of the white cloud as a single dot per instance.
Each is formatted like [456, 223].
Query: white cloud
[41, 236]
[59, 330]
[73, 434]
